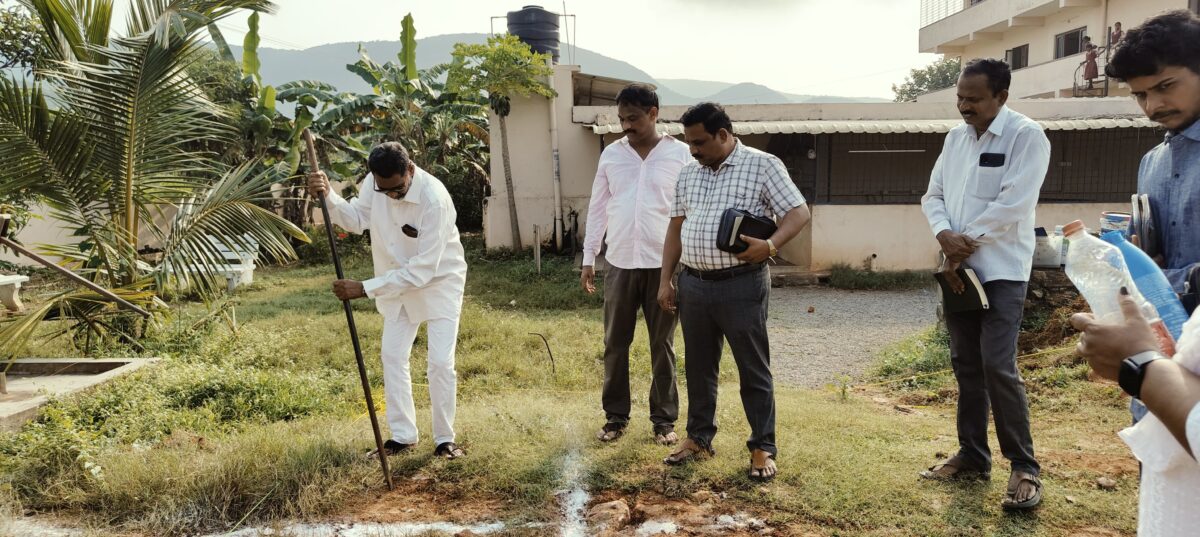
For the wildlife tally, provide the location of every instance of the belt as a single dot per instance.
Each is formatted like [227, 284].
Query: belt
[722, 274]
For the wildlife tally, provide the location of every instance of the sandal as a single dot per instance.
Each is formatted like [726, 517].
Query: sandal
[610, 431]
[448, 451]
[688, 451]
[391, 447]
[665, 436]
[762, 465]
[953, 469]
[1014, 482]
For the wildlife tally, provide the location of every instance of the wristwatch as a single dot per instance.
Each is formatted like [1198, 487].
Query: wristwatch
[1133, 371]
[774, 251]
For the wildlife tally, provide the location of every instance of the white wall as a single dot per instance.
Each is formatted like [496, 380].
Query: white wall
[900, 237]
[532, 168]
[43, 230]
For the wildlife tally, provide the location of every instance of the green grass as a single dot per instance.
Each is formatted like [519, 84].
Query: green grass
[262, 420]
[843, 276]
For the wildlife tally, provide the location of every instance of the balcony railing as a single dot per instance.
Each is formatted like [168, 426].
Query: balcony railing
[936, 10]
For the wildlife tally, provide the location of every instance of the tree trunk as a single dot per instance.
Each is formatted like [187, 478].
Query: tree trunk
[508, 185]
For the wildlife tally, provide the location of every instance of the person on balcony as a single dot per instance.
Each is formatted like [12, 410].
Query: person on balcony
[1090, 69]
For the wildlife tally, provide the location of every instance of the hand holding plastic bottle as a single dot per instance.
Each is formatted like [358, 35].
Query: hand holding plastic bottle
[1106, 345]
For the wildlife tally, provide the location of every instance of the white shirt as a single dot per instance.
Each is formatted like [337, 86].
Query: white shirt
[1170, 483]
[631, 199]
[992, 204]
[423, 276]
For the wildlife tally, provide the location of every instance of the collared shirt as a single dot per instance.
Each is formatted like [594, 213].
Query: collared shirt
[991, 198]
[749, 179]
[631, 199]
[1170, 475]
[1170, 175]
[423, 276]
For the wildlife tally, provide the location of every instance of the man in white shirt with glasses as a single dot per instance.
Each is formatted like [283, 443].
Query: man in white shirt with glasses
[631, 201]
[420, 272]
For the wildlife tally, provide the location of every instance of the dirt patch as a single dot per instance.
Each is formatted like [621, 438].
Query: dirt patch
[1049, 304]
[421, 499]
[1067, 462]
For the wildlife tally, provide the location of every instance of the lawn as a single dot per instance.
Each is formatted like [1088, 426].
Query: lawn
[257, 418]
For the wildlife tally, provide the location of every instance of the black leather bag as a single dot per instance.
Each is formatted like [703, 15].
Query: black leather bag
[737, 222]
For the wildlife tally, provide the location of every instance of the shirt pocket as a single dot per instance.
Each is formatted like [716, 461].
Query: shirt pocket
[987, 182]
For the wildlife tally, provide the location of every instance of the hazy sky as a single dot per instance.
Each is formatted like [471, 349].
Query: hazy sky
[836, 47]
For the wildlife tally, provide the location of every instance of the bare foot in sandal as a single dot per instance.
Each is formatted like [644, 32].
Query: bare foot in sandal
[665, 437]
[1024, 492]
[953, 469]
[762, 465]
[610, 432]
[449, 450]
[689, 450]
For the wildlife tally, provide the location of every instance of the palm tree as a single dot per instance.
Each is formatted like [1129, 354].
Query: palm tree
[113, 152]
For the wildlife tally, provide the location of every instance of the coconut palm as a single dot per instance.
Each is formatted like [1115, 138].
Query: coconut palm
[107, 135]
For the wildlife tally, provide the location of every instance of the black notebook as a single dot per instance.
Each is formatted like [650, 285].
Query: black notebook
[973, 297]
[736, 222]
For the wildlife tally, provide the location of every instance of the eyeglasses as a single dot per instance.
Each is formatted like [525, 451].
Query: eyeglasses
[396, 192]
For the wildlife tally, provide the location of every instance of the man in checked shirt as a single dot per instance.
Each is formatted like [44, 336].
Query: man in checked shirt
[720, 295]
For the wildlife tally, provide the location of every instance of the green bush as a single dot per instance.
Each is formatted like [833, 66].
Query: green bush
[842, 276]
[920, 356]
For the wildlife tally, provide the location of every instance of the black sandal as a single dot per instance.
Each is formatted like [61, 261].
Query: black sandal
[391, 447]
[448, 451]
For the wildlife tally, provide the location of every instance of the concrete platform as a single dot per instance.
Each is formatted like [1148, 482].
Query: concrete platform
[33, 382]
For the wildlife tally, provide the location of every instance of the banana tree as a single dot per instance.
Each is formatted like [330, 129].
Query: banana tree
[444, 130]
[502, 68]
[113, 151]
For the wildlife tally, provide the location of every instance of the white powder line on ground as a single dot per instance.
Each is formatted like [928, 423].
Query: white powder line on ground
[573, 498]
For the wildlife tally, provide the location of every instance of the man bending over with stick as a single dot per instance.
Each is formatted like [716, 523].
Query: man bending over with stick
[420, 271]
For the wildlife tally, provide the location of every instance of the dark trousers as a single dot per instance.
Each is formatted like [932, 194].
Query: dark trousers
[734, 310]
[983, 352]
[625, 292]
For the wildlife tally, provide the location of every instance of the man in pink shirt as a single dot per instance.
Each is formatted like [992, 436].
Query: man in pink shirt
[631, 199]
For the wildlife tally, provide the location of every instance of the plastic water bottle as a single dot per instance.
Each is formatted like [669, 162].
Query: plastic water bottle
[1151, 283]
[1098, 270]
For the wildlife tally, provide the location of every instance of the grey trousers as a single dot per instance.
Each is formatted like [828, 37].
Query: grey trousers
[625, 292]
[734, 310]
[983, 352]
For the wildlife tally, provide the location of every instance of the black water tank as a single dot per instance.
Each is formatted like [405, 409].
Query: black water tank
[536, 27]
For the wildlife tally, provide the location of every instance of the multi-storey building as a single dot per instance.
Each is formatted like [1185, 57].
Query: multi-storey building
[1043, 40]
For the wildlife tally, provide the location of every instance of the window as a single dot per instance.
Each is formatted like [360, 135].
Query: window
[1069, 43]
[1017, 58]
